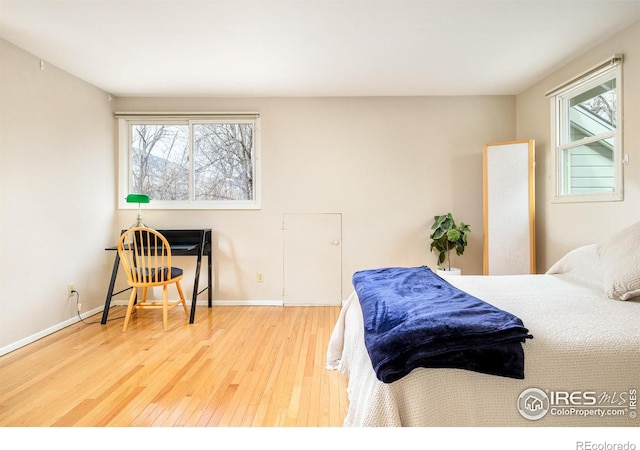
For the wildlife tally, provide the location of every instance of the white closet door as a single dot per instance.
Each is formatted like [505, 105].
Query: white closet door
[509, 208]
[312, 259]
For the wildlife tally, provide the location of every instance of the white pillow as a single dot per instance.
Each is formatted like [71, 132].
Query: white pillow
[620, 257]
[581, 264]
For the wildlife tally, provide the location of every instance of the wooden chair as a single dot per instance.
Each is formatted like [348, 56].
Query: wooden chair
[145, 255]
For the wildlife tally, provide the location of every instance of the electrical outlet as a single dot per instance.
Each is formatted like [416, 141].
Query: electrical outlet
[70, 288]
[260, 277]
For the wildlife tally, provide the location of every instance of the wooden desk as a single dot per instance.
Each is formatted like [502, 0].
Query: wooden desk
[183, 243]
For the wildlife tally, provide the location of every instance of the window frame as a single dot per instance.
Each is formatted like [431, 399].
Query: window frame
[126, 120]
[559, 112]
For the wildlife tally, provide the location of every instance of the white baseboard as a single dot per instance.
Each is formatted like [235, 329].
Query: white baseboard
[221, 303]
[242, 303]
[39, 335]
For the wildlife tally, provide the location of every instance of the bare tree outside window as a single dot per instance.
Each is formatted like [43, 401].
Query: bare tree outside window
[193, 162]
[160, 161]
[223, 161]
[603, 104]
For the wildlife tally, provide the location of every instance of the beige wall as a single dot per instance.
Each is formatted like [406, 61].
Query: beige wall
[388, 165]
[56, 195]
[562, 227]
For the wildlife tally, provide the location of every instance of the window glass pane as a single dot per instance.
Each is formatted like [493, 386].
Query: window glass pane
[191, 162]
[588, 145]
[593, 112]
[160, 161]
[223, 161]
[589, 168]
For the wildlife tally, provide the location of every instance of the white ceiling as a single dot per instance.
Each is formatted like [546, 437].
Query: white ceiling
[311, 47]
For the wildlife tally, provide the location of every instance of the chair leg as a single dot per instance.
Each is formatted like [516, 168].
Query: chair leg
[132, 299]
[142, 300]
[165, 307]
[181, 294]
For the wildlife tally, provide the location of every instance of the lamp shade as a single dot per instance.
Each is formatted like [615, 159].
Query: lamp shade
[137, 198]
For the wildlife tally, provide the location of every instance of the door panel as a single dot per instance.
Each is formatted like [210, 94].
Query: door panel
[312, 259]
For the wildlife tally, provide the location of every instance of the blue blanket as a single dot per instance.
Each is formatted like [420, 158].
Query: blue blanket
[414, 318]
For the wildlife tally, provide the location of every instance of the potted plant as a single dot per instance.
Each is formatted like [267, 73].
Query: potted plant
[447, 236]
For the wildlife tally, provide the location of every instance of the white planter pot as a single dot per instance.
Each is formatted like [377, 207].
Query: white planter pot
[449, 273]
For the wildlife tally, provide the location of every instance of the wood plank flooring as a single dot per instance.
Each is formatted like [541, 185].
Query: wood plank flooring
[245, 366]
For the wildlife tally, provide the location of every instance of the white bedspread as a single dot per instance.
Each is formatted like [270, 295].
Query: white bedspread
[582, 342]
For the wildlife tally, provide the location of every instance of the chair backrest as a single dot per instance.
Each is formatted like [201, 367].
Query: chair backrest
[145, 255]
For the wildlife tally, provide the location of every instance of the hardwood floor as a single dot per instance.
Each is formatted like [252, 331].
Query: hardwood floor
[246, 366]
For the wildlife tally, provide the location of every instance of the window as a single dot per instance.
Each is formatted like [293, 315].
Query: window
[190, 162]
[587, 118]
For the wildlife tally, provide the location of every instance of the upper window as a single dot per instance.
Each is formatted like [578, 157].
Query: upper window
[190, 162]
[587, 115]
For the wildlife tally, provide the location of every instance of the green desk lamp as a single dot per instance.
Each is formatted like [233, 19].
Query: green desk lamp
[139, 199]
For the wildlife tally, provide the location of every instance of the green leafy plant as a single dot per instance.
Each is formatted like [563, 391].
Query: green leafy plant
[447, 236]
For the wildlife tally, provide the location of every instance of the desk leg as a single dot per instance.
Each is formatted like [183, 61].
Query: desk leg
[210, 280]
[194, 299]
[112, 283]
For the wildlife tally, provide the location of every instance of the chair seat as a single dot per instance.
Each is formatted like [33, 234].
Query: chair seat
[159, 274]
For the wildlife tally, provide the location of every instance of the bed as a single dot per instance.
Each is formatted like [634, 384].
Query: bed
[581, 366]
